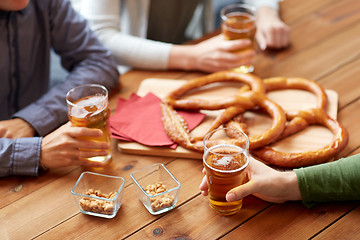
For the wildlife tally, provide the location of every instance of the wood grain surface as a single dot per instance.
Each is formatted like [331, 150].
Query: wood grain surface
[325, 47]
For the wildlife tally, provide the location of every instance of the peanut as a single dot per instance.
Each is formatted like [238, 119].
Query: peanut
[159, 202]
[96, 205]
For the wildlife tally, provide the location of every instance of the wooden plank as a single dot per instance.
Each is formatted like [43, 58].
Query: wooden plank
[345, 81]
[293, 10]
[52, 204]
[327, 20]
[40, 210]
[196, 220]
[317, 61]
[132, 214]
[43, 207]
[16, 187]
[316, 28]
[290, 221]
[345, 228]
[349, 116]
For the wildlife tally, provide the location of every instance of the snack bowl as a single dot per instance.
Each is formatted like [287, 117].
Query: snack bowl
[156, 188]
[98, 195]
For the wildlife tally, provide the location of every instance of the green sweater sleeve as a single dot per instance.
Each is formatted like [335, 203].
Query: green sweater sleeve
[334, 181]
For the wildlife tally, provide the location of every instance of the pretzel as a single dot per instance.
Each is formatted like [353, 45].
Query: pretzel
[324, 154]
[253, 82]
[177, 129]
[298, 120]
[249, 97]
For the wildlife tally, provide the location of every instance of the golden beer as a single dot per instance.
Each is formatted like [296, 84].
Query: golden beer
[88, 107]
[238, 22]
[225, 169]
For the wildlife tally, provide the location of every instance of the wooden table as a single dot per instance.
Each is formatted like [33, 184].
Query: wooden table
[325, 47]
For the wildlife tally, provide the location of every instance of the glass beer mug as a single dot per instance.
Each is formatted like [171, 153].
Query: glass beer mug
[238, 22]
[88, 107]
[225, 165]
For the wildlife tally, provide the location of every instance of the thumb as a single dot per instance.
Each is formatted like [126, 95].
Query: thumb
[240, 192]
[260, 38]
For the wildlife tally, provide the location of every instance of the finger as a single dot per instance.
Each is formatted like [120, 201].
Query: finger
[283, 33]
[240, 192]
[2, 132]
[88, 163]
[278, 37]
[84, 154]
[285, 37]
[282, 38]
[235, 45]
[205, 193]
[84, 132]
[6, 134]
[75, 155]
[273, 38]
[231, 59]
[228, 60]
[260, 38]
[244, 58]
[96, 145]
[204, 186]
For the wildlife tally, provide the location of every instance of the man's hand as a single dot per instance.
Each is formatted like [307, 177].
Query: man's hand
[265, 183]
[16, 128]
[271, 31]
[62, 147]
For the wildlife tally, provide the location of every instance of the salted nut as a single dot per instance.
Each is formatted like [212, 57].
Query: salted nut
[97, 205]
[159, 202]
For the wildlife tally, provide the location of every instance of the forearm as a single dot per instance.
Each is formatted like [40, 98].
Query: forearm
[135, 51]
[291, 187]
[20, 156]
[180, 57]
[334, 181]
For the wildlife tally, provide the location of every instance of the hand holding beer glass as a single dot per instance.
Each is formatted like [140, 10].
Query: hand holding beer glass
[88, 107]
[225, 168]
[238, 22]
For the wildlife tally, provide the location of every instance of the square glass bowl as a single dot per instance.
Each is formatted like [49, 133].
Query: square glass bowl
[156, 188]
[98, 195]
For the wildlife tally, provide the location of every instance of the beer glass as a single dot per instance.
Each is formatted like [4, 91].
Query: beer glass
[225, 165]
[238, 22]
[88, 107]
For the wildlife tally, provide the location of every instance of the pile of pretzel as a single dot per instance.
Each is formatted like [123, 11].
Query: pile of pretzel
[251, 97]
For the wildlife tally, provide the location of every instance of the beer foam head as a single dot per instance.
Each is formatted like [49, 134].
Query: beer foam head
[224, 161]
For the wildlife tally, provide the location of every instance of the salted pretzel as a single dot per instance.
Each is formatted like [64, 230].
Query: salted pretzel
[299, 120]
[177, 129]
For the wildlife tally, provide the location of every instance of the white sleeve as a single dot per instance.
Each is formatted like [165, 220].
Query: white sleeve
[104, 17]
[261, 3]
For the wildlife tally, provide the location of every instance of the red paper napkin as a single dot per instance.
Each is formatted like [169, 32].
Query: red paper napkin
[139, 119]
